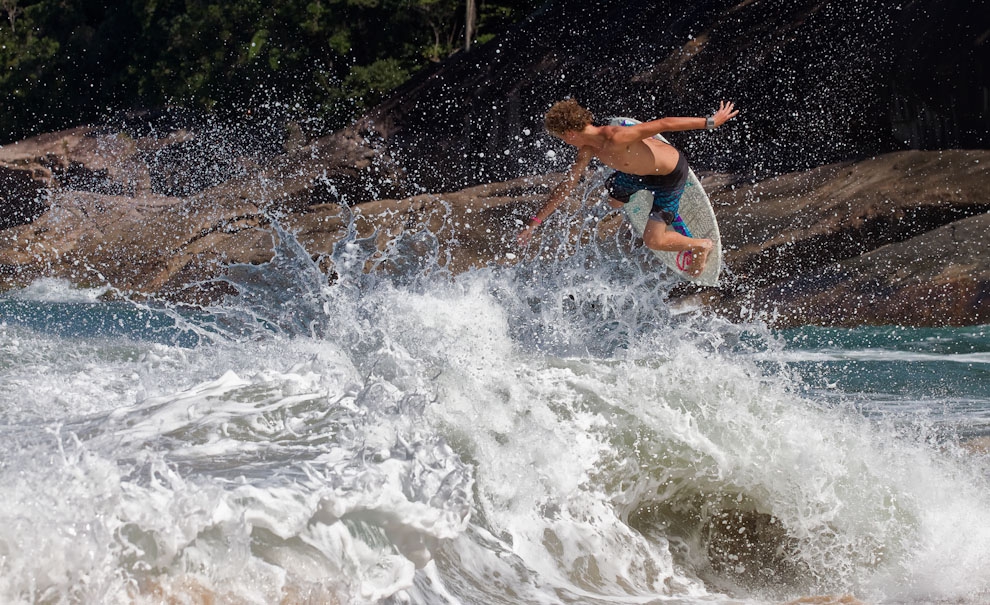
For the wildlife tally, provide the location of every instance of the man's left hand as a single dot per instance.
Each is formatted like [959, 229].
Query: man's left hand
[726, 111]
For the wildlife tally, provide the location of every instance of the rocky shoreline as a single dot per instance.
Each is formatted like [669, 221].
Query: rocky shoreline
[896, 239]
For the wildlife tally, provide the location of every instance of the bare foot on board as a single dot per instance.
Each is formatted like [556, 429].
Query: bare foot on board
[699, 256]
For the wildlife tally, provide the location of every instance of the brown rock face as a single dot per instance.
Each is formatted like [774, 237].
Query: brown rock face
[939, 278]
[170, 246]
[901, 238]
[896, 239]
[155, 213]
[138, 245]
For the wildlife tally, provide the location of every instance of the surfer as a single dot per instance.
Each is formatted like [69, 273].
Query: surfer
[641, 162]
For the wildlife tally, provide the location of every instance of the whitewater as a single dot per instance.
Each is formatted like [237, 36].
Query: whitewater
[554, 430]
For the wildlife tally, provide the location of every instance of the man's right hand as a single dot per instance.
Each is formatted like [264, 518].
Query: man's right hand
[526, 235]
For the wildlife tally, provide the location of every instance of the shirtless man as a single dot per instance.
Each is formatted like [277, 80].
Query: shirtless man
[641, 162]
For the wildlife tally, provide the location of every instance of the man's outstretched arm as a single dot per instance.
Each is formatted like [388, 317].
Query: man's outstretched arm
[558, 195]
[638, 132]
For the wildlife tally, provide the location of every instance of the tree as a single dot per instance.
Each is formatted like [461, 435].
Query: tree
[470, 15]
[10, 8]
[65, 62]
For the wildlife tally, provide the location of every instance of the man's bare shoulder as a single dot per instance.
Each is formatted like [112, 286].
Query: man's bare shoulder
[610, 131]
[620, 135]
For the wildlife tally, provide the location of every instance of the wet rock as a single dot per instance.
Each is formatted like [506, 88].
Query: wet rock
[900, 238]
[82, 159]
[474, 227]
[978, 446]
[173, 247]
[188, 167]
[152, 244]
[23, 196]
[939, 278]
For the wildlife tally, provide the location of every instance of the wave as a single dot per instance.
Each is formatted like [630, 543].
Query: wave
[548, 432]
[50, 289]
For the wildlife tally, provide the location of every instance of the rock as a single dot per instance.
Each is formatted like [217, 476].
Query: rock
[939, 278]
[153, 244]
[894, 239]
[82, 159]
[900, 238]
[886, 240]
[794, 222]
[474, 227]
[160, 157]
[157, 207]
[23, 196]
[172, 246]
[978, 446]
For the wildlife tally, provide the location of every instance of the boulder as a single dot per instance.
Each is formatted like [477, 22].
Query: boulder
[145, 245]
[174, 247]
[899, 238]
[81, 159]
[472, 228]
[791, 223]
[892, 239]
[939, 278]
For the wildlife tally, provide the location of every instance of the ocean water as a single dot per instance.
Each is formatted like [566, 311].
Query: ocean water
[556, 431]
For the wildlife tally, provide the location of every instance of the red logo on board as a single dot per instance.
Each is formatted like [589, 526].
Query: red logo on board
[684, 259]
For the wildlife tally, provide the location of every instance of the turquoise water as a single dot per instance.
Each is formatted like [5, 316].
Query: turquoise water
[942, 374]
[549, 432]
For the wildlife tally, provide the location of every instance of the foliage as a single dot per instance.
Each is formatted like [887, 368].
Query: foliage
[64, 62]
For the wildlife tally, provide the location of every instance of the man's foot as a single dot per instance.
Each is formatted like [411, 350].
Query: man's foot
[699, 256]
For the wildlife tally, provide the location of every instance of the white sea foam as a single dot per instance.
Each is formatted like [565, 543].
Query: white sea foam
[489, 438]
[50, 289]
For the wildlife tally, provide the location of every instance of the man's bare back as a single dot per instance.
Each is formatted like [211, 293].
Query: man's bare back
[646, 156]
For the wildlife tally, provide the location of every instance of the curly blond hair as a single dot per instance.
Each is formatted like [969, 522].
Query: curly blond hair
[566, 116]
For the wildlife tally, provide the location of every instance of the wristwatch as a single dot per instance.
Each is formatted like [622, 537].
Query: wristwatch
[710, 123]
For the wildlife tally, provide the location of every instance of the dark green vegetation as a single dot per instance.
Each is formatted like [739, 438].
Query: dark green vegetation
[65, 62]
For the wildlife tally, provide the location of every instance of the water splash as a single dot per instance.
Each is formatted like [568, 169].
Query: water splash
[546, 432]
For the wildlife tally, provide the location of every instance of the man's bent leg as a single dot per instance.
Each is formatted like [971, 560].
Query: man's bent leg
[660, 236]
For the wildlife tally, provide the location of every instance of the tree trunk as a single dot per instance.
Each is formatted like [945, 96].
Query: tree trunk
[470, 14]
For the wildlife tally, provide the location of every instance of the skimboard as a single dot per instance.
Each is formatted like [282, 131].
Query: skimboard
[695, 212]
